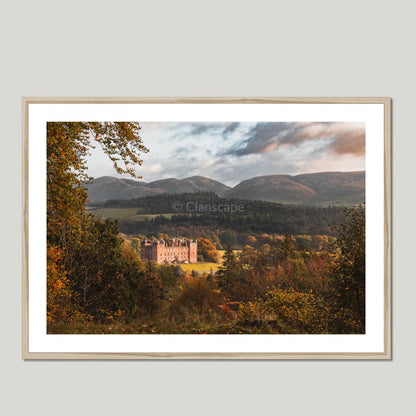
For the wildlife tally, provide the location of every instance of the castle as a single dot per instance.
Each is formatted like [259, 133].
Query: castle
[173, 251]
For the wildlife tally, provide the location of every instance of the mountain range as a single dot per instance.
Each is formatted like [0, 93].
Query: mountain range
[322, 188]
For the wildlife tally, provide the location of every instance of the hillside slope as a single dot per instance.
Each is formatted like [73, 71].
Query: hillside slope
[322, 188]
[108, 187]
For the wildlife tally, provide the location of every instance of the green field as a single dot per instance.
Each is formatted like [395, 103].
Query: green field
[200, 267]
[125, 213]
[205, 267]
[141, 217]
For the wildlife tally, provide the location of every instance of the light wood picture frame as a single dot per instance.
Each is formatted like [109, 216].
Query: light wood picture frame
[375, 343]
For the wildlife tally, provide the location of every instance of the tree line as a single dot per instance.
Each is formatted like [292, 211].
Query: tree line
[258, 217]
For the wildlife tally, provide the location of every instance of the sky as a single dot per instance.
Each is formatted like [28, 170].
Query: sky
[234, 151]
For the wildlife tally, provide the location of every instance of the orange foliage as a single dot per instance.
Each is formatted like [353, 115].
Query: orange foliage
[59, 294]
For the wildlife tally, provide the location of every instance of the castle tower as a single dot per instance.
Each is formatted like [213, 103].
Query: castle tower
[193, 251]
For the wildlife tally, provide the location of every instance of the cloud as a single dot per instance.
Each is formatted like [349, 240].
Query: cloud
[219, 129]
[201, 128]
[233, 151]
[263, 138]
[197, 129]
[345, 138]
[342, 137]
[155, 168]
[230, 128]
[350, 142]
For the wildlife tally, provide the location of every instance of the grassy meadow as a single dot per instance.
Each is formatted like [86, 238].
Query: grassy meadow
[123, 213]
[200, 267]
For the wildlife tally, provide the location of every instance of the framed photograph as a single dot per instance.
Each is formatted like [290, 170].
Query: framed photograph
[206, 228]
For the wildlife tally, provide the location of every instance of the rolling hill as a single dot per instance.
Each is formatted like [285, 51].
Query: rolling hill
[322, 188]
[274, 188]
[108, 187]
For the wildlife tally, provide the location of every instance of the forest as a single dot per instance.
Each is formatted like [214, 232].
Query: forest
[97, 281]
[256, 218]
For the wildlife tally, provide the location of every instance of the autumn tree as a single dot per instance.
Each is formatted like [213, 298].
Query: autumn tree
[87, 269]
[68, 145]
[150, 291]
[208, 251]
[348, 275]
[231, 278]
[287, 247]
[96, 272]
[60, 308]
[198, 296]
[291, 312]
[228, 268]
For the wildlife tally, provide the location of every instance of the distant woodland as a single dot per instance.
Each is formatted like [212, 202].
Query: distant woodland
[256, 219]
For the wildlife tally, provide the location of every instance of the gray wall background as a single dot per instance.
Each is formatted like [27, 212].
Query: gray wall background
[210, 48]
